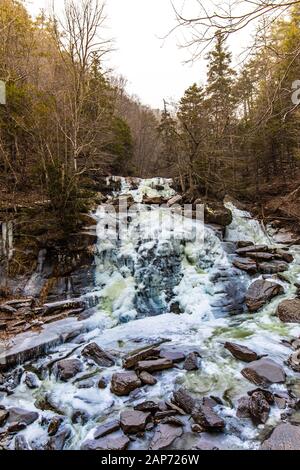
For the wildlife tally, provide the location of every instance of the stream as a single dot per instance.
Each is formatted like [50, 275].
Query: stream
[160, 283]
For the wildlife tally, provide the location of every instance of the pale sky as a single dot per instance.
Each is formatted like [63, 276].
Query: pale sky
[154, 67]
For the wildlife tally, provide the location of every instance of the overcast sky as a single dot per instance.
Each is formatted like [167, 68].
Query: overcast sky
[154, 67]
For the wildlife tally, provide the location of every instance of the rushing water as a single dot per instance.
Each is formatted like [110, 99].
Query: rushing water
[138, 280]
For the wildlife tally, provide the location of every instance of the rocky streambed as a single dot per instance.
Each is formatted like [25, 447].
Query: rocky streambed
[181, 341]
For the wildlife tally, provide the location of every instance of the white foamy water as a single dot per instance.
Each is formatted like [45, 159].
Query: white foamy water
[138, 279]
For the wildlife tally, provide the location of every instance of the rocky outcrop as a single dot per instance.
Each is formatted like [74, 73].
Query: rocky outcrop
[164, 436]
[284, 437]
[99, 356]
[289, 311]
[124, 383]
[261, 292]
[133, 421]
[241, 352]
[262, 259]
[66, 369]
[217, 213]
[264, 372]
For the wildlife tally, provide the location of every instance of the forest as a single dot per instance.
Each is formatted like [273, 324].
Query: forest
[150, 258]
[67, 119]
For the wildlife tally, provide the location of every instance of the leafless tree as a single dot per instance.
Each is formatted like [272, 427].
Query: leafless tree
[215, 16]
[80, 35]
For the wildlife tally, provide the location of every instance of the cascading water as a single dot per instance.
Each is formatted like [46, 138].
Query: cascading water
[139, 279]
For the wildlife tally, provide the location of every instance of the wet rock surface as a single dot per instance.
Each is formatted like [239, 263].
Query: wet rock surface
[96, 354]
[264, 372]
[241, 352]
[164, 436]
[283, 437]
[124, 383]
[288, 311]
[67, 369]
[133, 421]
[140, 376]
[261, 292]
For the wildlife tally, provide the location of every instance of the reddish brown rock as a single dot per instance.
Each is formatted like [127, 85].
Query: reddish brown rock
[124, 383]
[289, 311]
[164, 436]
[283, 437]
[264, 372]
[154, 365]
[133, 421]
[241, 352]
[261, 292]
[207, 418]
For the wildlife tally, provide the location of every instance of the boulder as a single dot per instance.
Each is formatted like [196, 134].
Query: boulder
[164, 436]
[243, 408]
[147, 378]
[273, 267]
[31, 380]
[184, 400]
[99, 356]
[241, 352]
[289, 311]
[123, 383]
[284, 437]
[111, 442]
[217, 213]
[131, 360]
[106, 428]
[287, 257]
[133, 421]
[245, 264]
[264, 372]
[155, 365]
[207, 418]
[261, 292]
[259, 407]
[19, 415]
[66, 369]
[192, 362]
